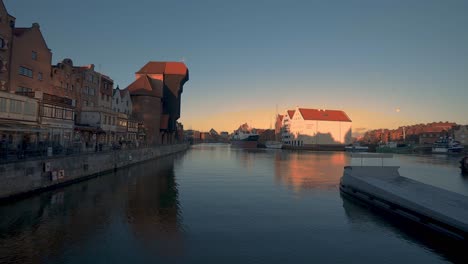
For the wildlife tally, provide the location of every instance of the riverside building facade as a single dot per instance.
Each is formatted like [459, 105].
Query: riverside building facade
[69, 107]
[304, 126]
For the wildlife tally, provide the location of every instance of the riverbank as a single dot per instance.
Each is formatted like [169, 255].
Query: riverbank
[20, 179]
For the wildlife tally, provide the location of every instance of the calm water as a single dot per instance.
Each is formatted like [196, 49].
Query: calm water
[214, 204]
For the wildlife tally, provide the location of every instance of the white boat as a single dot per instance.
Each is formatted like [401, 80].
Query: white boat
[245, 137]
[273, 144]
[447, 145]
[356, 148]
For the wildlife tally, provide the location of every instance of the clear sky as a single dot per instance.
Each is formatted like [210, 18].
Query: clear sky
[246, 58]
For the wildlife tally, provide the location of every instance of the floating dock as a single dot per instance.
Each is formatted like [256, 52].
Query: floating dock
[384, 188]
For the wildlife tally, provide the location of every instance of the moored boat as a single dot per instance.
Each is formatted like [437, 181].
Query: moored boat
[356, 148]
[273, 144]
[393, 147]
[446, 146]
[245, 137]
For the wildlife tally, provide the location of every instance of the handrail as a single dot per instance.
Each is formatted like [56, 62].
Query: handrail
[381, 156]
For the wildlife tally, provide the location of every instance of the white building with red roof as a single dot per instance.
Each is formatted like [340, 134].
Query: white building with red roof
[305, 126]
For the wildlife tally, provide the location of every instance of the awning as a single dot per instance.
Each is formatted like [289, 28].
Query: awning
[21, 127]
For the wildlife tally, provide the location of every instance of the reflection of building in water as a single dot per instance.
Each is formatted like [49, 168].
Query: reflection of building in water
[309, 170]
[49, 225]
[42, 227]
[152, 208]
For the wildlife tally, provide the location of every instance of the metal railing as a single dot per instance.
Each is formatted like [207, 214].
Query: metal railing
[42, 150]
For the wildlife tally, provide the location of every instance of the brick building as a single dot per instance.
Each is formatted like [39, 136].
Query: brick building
[156, 95]
[7, 24]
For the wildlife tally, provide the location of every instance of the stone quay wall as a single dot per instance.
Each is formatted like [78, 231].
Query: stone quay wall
[25, 177]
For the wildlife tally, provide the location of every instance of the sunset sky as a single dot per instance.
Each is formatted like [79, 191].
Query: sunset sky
[249, 58]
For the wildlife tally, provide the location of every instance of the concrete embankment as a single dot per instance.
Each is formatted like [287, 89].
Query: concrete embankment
[21, 178]
[384, 188]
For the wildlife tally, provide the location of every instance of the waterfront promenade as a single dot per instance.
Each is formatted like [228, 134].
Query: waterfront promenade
[36, 174]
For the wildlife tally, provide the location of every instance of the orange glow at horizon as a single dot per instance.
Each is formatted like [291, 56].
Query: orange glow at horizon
[362, 120]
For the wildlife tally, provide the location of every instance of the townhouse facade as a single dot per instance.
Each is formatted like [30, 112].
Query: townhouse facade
[65, 106]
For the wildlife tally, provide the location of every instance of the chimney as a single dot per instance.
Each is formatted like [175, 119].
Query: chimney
[35, 25]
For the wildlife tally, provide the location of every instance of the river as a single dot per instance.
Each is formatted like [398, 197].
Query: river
[214, 204]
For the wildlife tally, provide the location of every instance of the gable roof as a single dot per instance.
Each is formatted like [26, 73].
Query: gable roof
[19, 32]
[2, 6]
[291, 113]
[162, 67]
[145, 86]
[324, 115]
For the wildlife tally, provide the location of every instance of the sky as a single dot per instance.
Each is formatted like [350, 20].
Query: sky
[249, 60]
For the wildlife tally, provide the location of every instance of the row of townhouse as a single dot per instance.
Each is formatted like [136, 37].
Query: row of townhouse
[304, 126]
[61, 105]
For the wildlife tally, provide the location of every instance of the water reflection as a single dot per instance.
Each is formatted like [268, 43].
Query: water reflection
[364, 219]
[143, 197]
[152, 208]
[309, 170]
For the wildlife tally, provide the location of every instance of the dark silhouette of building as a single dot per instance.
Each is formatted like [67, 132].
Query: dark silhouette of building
[156, 95]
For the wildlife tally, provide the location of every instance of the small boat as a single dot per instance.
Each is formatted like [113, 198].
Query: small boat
[393, 147]
[447, 145]
[273, 144]
[356, 148]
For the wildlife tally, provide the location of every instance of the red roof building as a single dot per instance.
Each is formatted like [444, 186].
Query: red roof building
[305, 126]
[156, 95]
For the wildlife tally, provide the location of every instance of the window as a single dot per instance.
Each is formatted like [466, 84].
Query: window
[2, 43]
[3, 104]
[34, 55]
[71, 89]
[23, 89]
[39, 76]
[59, 113]
[29, 108]
[68, 114]
[85, 102]
[102, 96]
[91, 91]
[47, 111]
[16, 106]
[25, 71]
